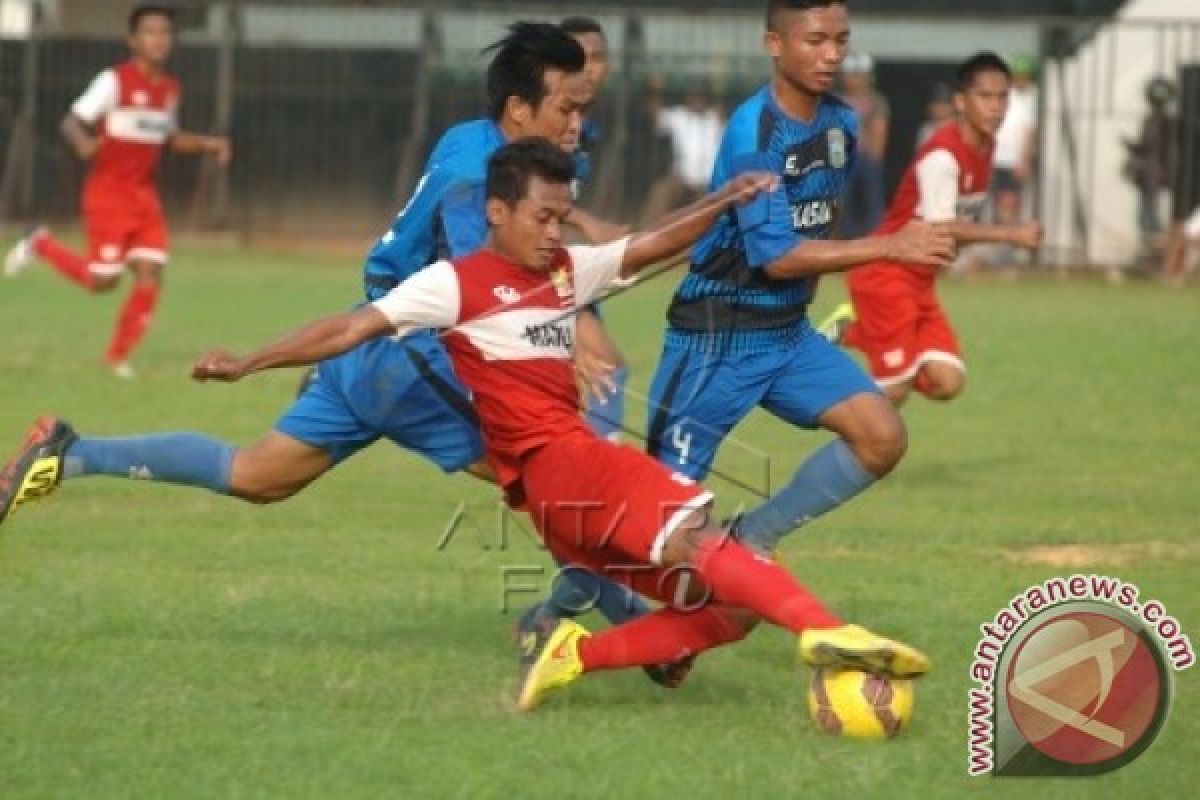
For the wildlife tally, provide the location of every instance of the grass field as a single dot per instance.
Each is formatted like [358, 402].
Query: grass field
[158, 642]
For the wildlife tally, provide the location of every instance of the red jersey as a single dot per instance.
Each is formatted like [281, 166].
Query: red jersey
[134, 114]
[948, 179]
[511, 340]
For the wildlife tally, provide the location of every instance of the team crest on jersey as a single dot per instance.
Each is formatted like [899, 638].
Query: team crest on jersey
[562, 284]
[836, 139]
[507, 295]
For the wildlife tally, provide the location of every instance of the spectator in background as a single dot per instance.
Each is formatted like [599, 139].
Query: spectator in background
[694, 130]
[865, 196]
[1152, 158]
[1016, 149]
[1182, 242]
[938, 112]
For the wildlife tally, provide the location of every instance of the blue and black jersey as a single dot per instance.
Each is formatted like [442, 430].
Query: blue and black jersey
[727, 302]
[445, 216]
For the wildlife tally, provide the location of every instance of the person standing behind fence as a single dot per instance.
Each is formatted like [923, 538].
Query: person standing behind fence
[1016, 147]
[694, 130]
[1152, 159]
[121, 124]
[865, 196]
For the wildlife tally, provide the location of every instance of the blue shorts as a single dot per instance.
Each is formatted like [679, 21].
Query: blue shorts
[403, 390]
[697, 397]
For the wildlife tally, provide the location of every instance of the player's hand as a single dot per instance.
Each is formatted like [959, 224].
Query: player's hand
[920, 242]
[748, 185]
[595, 374]
[221, 149]
[1028, 235]
[87, 147]
[218, 365]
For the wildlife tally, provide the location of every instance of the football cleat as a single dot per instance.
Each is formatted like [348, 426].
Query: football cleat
[21, 256]
[548, 658]
[670, 675]
[36, 470]
[834, 326]
[856, 647]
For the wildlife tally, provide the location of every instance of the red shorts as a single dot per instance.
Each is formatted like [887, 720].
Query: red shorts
[610, 508]
[123, 225]
[901, 325]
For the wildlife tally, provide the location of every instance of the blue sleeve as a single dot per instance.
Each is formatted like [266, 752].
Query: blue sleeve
[766, 221]
[464, 220]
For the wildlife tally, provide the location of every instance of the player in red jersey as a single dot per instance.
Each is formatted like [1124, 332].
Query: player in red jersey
[509, 315]
[895, 317]
[121, 124]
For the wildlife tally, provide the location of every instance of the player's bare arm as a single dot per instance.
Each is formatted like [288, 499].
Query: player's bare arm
[79, 135]
[681, 229]
[916, 243]
[1026, 234]
[319, 340]
[218, 147]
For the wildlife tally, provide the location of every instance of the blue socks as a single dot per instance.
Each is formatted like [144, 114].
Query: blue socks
[829, 477]
[188, 459]
[605, 417]
[576, 591]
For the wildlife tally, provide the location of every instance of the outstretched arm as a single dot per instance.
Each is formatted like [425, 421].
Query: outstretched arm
[682, 228]
[428, 299]
[325, 338]
[218, 146]
[1026, 234]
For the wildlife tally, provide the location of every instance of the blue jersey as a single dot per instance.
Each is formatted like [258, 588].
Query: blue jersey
[445, 216]
[583, 157]
[727, 302]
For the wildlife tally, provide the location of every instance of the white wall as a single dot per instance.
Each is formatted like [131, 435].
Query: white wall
[1101, 90]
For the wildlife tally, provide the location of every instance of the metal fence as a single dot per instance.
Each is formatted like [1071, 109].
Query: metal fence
[333, 109]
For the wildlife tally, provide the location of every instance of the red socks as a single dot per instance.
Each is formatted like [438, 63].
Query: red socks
[740, 578]
[72, 267]
[660, 637]
[133, 322]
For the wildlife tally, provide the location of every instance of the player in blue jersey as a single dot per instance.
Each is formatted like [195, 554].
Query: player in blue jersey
[738, 333]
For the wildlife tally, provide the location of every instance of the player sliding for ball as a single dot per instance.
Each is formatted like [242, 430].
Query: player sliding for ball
[508, 312]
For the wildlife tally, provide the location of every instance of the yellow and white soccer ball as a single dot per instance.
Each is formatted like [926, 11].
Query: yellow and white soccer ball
[849, 702]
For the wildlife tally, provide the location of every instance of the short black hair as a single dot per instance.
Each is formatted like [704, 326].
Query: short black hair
[143, 10]
[774, 7]
[577, 26]
[970, 69]
[521, 59]
[511, 167]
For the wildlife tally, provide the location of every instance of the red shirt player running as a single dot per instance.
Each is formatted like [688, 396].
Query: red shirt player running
[509, 312]
[121, 124]
[896, 319]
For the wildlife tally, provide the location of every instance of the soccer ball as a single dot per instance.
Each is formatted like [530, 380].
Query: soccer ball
[849, 702]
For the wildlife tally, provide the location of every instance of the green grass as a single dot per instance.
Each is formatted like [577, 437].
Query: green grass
[160, 642]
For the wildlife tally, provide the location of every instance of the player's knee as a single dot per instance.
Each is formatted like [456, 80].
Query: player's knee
[146, 271]
[257, 483]
[102, 283]
[944, 392]
[945, 385]
[263, 493]
[883, 443]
